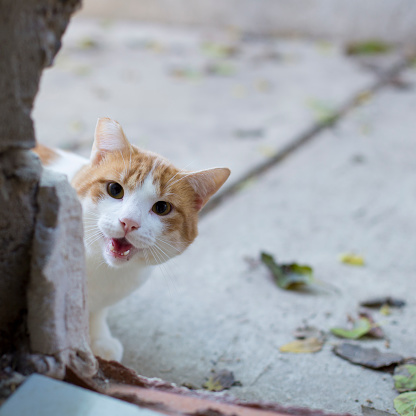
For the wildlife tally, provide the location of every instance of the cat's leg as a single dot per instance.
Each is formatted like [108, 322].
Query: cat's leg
[103, 343]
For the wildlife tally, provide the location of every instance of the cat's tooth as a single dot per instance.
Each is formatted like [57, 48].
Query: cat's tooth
[126, 252]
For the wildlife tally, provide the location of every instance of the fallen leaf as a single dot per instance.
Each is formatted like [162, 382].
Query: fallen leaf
[82, 70]
[216, 50]
[375, 330]
[405, 404]
[248, 183]
[369, 47]
[370, 411]
[405, 378]
[220, 68]
[363, 97]
[301, 346]
[267, 151]
[386, 300]
[88, 43]
[361, 327]
[367, 357]
[352, 259]
[308, 332]
[188, 73]
[323, 112]
[288, 276]
[220, 380]
[385, 310]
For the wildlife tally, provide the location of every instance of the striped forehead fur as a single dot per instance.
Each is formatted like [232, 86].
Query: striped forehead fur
[130, 168]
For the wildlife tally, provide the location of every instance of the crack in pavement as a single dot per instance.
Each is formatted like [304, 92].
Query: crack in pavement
[383, 80]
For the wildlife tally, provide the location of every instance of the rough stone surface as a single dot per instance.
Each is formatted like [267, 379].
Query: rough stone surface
[57, 312]
[19, 172]
[50, 319]
[30, 33]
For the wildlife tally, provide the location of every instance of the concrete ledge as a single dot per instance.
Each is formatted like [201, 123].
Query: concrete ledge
[389, 20]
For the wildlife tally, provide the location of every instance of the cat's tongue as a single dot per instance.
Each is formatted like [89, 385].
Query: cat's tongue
[119, 247]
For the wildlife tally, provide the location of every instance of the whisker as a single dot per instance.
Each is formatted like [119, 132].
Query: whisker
[146, 257]
[181, 179]
[170, 245]
[177, 173]
[162, 253]
[92, 239]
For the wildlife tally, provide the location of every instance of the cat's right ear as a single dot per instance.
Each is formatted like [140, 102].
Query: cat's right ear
[108, 137]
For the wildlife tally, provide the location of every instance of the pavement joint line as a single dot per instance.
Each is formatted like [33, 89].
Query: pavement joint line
[383, 80]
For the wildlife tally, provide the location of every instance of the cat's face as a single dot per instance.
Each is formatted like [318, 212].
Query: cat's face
[137, 207]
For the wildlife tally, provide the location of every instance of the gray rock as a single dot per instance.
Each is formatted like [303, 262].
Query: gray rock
[57, 313]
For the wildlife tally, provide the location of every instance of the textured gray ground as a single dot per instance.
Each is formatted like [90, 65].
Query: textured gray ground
[351, 188]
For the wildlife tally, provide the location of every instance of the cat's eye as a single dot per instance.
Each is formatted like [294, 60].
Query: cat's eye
[162, 208]
[115, 190]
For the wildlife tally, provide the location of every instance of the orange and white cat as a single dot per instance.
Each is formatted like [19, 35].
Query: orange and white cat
[138, 211]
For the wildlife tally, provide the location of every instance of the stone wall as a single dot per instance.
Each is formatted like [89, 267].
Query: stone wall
[40, 221]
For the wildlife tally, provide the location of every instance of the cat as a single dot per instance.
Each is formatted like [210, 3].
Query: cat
[138, 211]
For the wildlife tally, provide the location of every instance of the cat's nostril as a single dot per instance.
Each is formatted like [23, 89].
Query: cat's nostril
[129, 224]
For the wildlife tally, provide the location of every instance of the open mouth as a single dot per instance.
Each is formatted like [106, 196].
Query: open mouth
[119, 248]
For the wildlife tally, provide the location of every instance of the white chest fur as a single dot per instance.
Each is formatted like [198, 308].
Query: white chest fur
[107, 286]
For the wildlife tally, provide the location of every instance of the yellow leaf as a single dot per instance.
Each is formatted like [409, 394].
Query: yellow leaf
[385, 310]
[352, 259]
[302, 346]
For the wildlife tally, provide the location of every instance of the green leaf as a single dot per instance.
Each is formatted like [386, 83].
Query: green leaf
[405, 404]
[370, 47]
[361, 327]
[405, 378]
[288, 276]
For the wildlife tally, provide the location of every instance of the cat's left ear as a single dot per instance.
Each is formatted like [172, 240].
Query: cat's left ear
[206, 183]
[108, 137]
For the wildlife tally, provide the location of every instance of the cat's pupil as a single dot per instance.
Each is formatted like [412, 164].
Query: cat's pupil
[115, 190]
[161, 208]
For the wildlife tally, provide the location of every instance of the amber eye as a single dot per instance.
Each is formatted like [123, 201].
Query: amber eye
[162, 208]
[115, 190]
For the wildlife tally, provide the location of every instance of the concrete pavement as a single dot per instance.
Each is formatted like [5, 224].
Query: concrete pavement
[227, 99]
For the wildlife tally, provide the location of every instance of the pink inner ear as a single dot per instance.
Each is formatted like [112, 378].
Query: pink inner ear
[199, 203]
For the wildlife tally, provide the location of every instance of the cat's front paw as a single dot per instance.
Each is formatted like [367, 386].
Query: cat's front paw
[107, 348]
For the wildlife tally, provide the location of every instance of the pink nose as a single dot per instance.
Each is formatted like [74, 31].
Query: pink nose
[129, 225]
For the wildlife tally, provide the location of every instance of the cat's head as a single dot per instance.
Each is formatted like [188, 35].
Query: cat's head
[137, 207]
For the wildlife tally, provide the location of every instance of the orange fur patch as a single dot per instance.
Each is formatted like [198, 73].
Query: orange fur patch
[46, 155]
